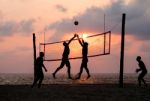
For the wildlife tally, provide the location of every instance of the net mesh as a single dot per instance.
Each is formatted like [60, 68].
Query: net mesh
[98, 44]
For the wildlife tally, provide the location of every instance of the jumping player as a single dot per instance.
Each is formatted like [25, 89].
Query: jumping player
[65, 59]
[84, 58]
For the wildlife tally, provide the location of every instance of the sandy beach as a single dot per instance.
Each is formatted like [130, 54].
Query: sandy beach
[75, 92]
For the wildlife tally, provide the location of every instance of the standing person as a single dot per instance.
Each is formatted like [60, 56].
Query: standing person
[142, 69]
[84, 58]
[39, 76]
[65, 59]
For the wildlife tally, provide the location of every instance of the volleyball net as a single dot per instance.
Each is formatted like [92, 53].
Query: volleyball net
[98, 45]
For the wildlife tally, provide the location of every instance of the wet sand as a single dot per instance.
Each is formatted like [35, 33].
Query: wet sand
[75, 92]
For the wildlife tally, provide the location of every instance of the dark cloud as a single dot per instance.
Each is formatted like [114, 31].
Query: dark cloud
[11, 27]
[87, 22]
[8, 28]
[61, 27]
[26, 26]
[61, 8]
[137, 20]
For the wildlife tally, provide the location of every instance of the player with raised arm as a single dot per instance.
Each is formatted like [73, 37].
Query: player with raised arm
[84, 57]
[65, 59]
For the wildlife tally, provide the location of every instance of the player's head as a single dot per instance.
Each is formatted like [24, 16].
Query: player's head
[64, 43]
[41, 54]
[85, 43]
[138, 58]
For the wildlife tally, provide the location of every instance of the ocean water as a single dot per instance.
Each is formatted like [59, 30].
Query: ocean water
[27, 79]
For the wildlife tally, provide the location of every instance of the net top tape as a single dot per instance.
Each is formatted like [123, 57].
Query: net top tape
[76, 39]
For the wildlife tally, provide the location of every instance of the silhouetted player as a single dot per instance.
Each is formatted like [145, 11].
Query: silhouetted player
[39, 76]
[84, 58]
[65, 59]
[142, 69]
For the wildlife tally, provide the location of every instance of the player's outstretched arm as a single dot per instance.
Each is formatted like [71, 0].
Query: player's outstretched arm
[79, 40]
[71, 39]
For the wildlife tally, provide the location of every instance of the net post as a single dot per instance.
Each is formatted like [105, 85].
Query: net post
[44, 51]
[104, 22]
[104, 42]
[39, 47]
[122, 51]
[109, 40]
[34, 52]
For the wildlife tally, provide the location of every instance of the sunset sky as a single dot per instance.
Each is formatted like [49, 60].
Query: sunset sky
[20, 18]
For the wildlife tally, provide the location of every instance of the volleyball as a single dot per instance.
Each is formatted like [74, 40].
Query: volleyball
[76, 23]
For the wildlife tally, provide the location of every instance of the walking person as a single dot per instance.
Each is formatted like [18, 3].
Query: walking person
[39, 76]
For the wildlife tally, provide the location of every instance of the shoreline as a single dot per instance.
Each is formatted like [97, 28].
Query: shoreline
[21, 79]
